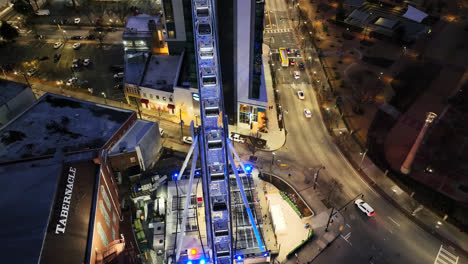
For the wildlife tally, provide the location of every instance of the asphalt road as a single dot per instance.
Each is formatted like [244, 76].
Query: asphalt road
[388, 236]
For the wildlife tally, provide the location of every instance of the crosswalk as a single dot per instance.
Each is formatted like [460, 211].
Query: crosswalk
[445, 257]
[279, 30]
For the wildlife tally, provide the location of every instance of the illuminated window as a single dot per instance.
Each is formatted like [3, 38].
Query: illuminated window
[104, 213]
[105, 197]
[132, 159]
[164, 98]
[102, 234]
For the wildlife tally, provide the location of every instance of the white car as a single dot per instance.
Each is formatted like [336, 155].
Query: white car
[307, 113]
[77, 20]
[86, 62]
[72, 80]
[76, 63]
[76, 46]
[236, 138]
[57, 45]
[297, 75]
[300, 94]
[161, 131]
[188, 140]
[119, 75]
[364, 207]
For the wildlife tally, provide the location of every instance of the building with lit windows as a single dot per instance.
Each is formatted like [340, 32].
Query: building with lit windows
[61, 185]
[144, 33]
[240, 51]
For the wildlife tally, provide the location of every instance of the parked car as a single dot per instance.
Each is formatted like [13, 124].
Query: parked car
[292, 62]
[32, 71]
[57, 45]
[76, 46]
[117, 68]
[71, 81]
[307, 113]
[161, 132]
[57, 57]
[297, 75]
[364, 207]
[91, 37]
[301, 66]
[119, 75]
[77, 20]
[298, 53]
[188, 140]
[288, 50]
[43, 58]
[236, 138]
[76, 63]
[118, 86]
[300, 94]
[76, 37]
[86, 62]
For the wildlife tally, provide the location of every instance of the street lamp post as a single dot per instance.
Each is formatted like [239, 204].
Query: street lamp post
[273, 158]
[362, 159]
[105, 97]
[316, 176]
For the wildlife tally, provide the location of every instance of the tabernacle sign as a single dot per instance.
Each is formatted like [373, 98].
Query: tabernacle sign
[62, 223]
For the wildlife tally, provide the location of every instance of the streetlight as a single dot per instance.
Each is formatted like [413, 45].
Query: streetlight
[316, 176]
[105, 97]
[273, 158]
[362, 159]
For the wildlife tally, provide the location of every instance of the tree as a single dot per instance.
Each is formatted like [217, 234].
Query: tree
[340, 12]
[399, 35]
[23, 7]
[7, 31]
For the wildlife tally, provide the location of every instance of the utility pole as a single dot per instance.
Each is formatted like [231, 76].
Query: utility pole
[362, 159]
[338, 210]
[316, 176]
[138, 109]
[181, 124]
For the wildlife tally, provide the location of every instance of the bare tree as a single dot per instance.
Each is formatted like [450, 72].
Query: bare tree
[122, 10]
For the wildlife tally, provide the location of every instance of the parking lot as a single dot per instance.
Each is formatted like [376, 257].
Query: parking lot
[98, 75]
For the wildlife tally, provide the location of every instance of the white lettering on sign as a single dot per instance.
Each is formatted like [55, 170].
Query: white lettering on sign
[62, 223]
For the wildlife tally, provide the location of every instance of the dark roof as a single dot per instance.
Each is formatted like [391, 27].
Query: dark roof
[26, 201]
[32, 205]
[55, 120]
[9, 89]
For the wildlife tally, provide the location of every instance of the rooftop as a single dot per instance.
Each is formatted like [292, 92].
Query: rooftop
[56, 120]
[9, 90]
[152, 71]
[30, 229]
[132, 137]
[140, 25]
[25, 227]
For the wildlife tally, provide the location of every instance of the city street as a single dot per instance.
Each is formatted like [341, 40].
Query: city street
[386, 237]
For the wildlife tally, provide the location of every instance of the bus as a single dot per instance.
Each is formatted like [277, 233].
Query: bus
[284, 57]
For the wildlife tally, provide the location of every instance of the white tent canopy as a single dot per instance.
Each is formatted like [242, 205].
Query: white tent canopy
[414, 14]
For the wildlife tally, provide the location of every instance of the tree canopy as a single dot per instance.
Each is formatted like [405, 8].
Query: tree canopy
[7, 31]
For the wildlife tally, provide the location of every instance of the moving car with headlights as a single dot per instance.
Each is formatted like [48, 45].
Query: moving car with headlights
[57, 45]
[297, 75]
[307, 113]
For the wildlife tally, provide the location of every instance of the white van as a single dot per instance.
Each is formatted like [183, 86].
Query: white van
[43, 12]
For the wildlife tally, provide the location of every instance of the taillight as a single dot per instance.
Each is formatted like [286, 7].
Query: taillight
[372, 213]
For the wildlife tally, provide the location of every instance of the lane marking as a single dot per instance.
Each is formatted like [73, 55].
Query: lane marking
[346, 237]
[395, 222]
[348, 225]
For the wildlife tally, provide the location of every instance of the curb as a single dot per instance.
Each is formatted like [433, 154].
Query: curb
[294, 189]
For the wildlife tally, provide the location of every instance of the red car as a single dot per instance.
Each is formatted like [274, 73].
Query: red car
[292, 62]
[288, 50]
